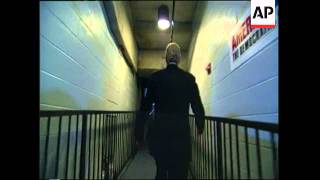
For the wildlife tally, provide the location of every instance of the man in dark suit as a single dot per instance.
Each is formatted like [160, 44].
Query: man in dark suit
[172, 90]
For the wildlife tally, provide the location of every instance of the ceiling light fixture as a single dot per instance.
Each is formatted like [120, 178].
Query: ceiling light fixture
[163, 17]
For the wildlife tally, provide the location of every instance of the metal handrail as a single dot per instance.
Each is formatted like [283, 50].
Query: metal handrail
[99, 152]
[74, 112]
[210, 155]
[216, 153]
[246, 123]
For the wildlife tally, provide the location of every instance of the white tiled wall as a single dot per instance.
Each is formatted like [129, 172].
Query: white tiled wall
[80, 68]
[248, 92]
[80, 65]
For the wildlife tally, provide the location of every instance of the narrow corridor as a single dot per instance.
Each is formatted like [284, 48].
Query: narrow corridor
[96, 58]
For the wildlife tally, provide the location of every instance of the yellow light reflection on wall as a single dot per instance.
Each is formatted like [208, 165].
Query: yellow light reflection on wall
[219, 20]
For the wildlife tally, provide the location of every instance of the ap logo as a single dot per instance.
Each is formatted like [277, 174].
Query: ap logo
[263, 14]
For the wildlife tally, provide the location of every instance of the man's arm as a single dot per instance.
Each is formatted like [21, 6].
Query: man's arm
[143, 114]
[197, 107]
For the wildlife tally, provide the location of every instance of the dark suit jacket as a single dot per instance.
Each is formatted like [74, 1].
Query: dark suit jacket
[172, 90]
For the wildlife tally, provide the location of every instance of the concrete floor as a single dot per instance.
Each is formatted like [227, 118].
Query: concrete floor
[141, 167]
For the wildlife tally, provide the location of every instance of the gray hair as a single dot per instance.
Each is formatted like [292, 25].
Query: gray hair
[173, 53]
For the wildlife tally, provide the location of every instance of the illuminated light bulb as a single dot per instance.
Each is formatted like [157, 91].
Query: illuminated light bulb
[163, 17]
[163, 24]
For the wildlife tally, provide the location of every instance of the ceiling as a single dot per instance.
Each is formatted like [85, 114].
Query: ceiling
[147, 34]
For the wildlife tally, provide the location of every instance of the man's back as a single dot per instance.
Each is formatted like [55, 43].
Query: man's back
[172, 90]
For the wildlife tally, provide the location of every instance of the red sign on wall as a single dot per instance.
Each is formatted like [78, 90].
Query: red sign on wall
[243, 40]
[244, 30]
[208, 68]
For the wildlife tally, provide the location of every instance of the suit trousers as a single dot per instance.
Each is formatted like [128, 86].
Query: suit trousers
[171, 169]
[171, 162]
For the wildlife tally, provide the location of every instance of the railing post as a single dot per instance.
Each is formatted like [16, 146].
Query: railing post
[219, 148]
[83, 146]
